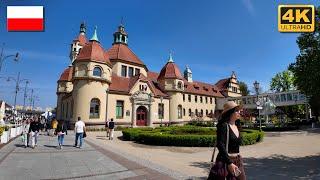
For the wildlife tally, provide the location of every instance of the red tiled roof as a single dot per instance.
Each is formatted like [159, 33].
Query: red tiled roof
[119, 83]
[93, 51]
[153, 75]
[201, 88]
[122, 84]
[122, 52]
[82, 39]
[170, 71]
[67, 74]
[223, 83]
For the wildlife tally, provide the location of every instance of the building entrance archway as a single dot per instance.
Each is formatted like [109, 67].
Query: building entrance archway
[142, 115]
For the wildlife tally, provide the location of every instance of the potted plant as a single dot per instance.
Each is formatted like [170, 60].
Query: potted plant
[5, 134]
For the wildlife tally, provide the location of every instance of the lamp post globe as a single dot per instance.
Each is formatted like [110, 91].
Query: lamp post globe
[256, 87]
[161, 99]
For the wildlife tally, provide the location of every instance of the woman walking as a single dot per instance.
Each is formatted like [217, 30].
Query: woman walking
[229, 163]
[34, 131]
[61, 130]
[25, 132]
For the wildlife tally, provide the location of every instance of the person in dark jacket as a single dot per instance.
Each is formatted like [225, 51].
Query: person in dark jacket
[228, 142]
[61, 131]
[34, 132]
[111, 129]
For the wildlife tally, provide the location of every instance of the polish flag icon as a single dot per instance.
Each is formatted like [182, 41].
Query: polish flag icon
[25, 18]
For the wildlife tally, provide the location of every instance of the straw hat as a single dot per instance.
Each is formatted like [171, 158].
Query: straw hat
[230, 105]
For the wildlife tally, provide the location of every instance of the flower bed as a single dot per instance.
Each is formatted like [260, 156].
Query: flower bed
[183, 136]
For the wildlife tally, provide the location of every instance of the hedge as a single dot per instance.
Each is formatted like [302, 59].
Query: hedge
[2, 128]
[184, 136]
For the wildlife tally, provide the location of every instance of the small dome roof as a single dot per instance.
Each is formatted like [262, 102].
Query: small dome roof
[81, 39]
[67, 74]
[93, 51]
[170, 71]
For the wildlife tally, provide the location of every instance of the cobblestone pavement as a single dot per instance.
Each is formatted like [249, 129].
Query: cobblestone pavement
[283, 156]
[48, 162]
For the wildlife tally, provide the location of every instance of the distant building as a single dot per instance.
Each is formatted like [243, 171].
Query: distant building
[229, 87]
[101, 84]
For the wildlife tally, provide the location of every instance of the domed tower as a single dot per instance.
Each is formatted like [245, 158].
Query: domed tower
[120, 36]
[172, 82]
[78, 43]
[91, 79]
[188, 74]
[125, 63]
[64, 88]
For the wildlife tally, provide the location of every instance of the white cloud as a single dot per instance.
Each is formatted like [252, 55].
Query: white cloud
[249, 6]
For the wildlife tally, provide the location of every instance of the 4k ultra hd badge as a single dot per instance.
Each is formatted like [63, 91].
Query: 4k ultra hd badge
[296, 18]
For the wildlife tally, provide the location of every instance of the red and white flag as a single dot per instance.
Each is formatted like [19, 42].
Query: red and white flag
[25, 18]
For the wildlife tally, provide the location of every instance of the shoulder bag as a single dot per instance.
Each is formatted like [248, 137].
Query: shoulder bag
[219, 169]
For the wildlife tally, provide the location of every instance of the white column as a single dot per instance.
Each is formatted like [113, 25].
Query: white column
[150, 121]
[133, 114]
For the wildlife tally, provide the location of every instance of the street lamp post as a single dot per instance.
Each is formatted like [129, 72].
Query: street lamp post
[256, 87]
[35, 98]
[31, 99]
[107, 93]
[162, 108]
[4, 57]
[25, 95]
[18, 81]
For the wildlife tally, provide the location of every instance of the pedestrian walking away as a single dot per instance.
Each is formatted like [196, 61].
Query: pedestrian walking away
[54, 124]
[34, 132]
[61, 131]
[79, 129]
[111, 129]
[107, 127]
[25, 132]
[229, 163]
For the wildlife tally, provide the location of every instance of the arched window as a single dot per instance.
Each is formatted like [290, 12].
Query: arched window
[82, 70]
[179, 85]
[197, 112]
[201, 113]
[179, 111]
[95, 108]
[97, 71]
[184, 112]
[190, 112]
[206, 112]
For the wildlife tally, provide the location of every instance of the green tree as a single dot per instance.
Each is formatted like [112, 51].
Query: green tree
[283, 81]
[243, 88]
[306, 69]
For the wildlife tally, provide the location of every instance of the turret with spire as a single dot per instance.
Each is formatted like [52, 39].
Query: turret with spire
[83, 28]
[120, 36]
[95, 35]
[78, 42]
[188, 74]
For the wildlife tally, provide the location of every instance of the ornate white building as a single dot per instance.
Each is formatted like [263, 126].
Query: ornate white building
[114, 83]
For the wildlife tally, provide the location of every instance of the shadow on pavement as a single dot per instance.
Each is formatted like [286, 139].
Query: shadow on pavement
[277, 167]
[50, 146]
[19, 145]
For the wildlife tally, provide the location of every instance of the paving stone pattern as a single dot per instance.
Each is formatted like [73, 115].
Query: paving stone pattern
[48, 162]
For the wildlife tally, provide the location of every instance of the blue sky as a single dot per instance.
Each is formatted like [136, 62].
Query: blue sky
[213, 37]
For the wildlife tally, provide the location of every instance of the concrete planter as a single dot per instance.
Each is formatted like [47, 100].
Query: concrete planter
[13, 132]
[19, 130]
[5, 137]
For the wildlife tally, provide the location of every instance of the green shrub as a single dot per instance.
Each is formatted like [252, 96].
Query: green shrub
[251, 137]
[2, 128]
[201, 123]
[6, 128]
[183, 136]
